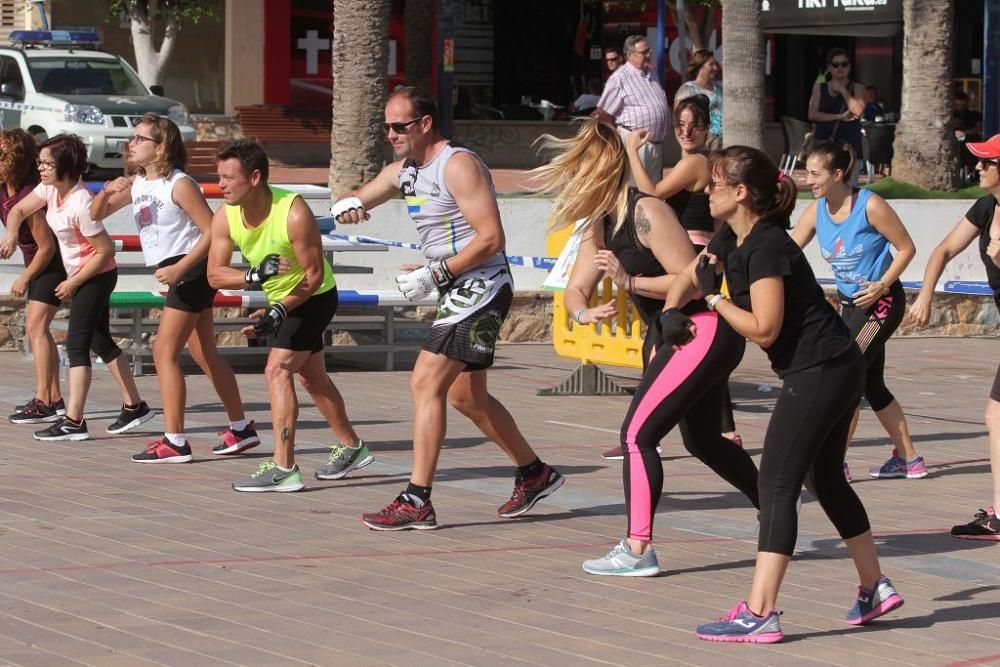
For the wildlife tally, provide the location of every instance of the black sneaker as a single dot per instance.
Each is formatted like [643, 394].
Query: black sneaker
[128, 419]
[64, 430]
[34, 412]
[162, 450]
[986, 526]
[234, 442]
[59, 406]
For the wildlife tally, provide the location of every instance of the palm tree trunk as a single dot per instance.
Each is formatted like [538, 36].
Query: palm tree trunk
[743, 61]
[925, 147]
[360, 63]
[418, 20]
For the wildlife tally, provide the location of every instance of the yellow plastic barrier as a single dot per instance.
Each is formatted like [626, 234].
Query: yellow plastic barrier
[616, 341]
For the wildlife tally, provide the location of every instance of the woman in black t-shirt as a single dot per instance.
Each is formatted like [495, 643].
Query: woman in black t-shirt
[777, 304]
[982, 222]
[637, 241]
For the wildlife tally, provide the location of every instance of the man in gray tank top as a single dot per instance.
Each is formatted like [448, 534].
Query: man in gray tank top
[450, 197]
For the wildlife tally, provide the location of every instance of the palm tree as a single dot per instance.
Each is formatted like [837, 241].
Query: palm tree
[743, 58]
[418, 21]
[360, 64]
[925, 147]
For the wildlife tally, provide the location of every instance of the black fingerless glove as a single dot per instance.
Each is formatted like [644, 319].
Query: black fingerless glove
[271, 320]
[258, 275]
[675, 328]
[709, 281]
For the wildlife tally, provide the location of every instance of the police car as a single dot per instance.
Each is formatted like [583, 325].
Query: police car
[57, 81]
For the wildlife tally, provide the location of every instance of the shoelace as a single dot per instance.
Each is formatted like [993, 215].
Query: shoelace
[32, 406]
[336, 453]
[734, 612]
[263, 468]
[151, 446]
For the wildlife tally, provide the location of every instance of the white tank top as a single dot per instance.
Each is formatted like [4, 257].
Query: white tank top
[165, 230]
[442, 228]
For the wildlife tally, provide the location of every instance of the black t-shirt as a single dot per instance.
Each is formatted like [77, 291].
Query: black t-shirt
[981, 215]
[811, 331]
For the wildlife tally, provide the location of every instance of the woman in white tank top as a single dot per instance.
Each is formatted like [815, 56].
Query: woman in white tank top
[173, 220]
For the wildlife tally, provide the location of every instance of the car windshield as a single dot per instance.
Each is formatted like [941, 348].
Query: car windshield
[84, 76]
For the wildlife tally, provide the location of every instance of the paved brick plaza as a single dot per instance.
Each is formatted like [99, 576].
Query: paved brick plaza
[105, 562]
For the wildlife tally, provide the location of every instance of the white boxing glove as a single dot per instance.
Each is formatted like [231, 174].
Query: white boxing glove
[419, 283]
[344, 205]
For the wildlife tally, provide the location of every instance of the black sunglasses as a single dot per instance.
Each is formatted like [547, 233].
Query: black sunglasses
[840, 63]
[399, 128]
[986, 164]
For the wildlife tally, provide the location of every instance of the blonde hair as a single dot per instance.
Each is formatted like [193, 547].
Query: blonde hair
[589, 175]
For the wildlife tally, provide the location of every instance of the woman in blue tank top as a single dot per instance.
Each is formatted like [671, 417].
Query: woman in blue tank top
[857, 232]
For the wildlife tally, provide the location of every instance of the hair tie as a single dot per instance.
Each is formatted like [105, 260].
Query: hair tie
[781, 176]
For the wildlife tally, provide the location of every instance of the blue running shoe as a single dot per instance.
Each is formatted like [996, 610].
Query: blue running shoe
[872, 604]
[742, 625]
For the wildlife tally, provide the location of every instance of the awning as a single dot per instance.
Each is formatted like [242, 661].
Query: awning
[852, 18]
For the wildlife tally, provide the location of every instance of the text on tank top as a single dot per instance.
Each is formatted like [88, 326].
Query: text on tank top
[165, 229]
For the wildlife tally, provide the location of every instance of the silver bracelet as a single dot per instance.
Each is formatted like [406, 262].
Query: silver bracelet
[713, 302]
[577, 314]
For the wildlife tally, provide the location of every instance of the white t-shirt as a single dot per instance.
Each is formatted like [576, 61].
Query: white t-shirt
[71, 222]
[165, 229]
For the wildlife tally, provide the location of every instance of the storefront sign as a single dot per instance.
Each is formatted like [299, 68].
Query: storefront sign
[832, 17]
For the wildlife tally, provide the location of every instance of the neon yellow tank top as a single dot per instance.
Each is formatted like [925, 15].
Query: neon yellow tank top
[271, 237]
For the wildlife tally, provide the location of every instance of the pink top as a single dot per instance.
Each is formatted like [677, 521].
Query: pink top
[71, 222]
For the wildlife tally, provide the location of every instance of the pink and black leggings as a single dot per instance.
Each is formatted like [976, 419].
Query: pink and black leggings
[687, 388]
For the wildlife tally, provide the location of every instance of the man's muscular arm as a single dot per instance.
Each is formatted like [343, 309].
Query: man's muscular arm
[352, 208]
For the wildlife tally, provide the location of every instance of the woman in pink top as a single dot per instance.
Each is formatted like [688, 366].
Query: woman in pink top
[89, 258]
[43, 271]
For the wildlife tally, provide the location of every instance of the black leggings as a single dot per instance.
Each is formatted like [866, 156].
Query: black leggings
[871, 328]
[805, 443]
[89, 321]
[685, 387]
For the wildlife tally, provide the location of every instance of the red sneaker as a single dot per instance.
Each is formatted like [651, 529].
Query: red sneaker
[235, 442]
[164, 451]
[401, 514]
[527, 492]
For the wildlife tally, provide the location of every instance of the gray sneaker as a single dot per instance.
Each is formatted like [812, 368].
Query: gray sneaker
[344, 460]
[621, 562]
[268, 477]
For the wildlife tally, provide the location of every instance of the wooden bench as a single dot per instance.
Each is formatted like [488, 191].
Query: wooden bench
[201, 157]
[275, 123]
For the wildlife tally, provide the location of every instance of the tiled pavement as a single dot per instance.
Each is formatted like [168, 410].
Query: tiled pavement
[104, 562]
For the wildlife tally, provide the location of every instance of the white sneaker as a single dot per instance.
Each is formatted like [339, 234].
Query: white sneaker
[622, 562]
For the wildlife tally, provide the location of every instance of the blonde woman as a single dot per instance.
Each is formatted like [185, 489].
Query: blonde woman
[637, 240]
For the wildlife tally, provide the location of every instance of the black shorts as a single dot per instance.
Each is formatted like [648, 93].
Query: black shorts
[192, 293]
[470, 315]
[42, 287]
[302, 330]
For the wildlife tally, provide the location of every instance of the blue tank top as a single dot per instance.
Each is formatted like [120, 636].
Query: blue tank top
[855, 249]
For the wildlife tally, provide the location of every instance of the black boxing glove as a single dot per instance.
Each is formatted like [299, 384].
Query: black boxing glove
[258, 275]
[675, 328]
[271, 320]
[709, 281]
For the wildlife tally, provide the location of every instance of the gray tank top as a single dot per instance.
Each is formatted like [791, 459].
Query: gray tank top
[442, 228]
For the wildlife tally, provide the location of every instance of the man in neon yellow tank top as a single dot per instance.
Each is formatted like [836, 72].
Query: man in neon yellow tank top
[278, 236]
[449, 195]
